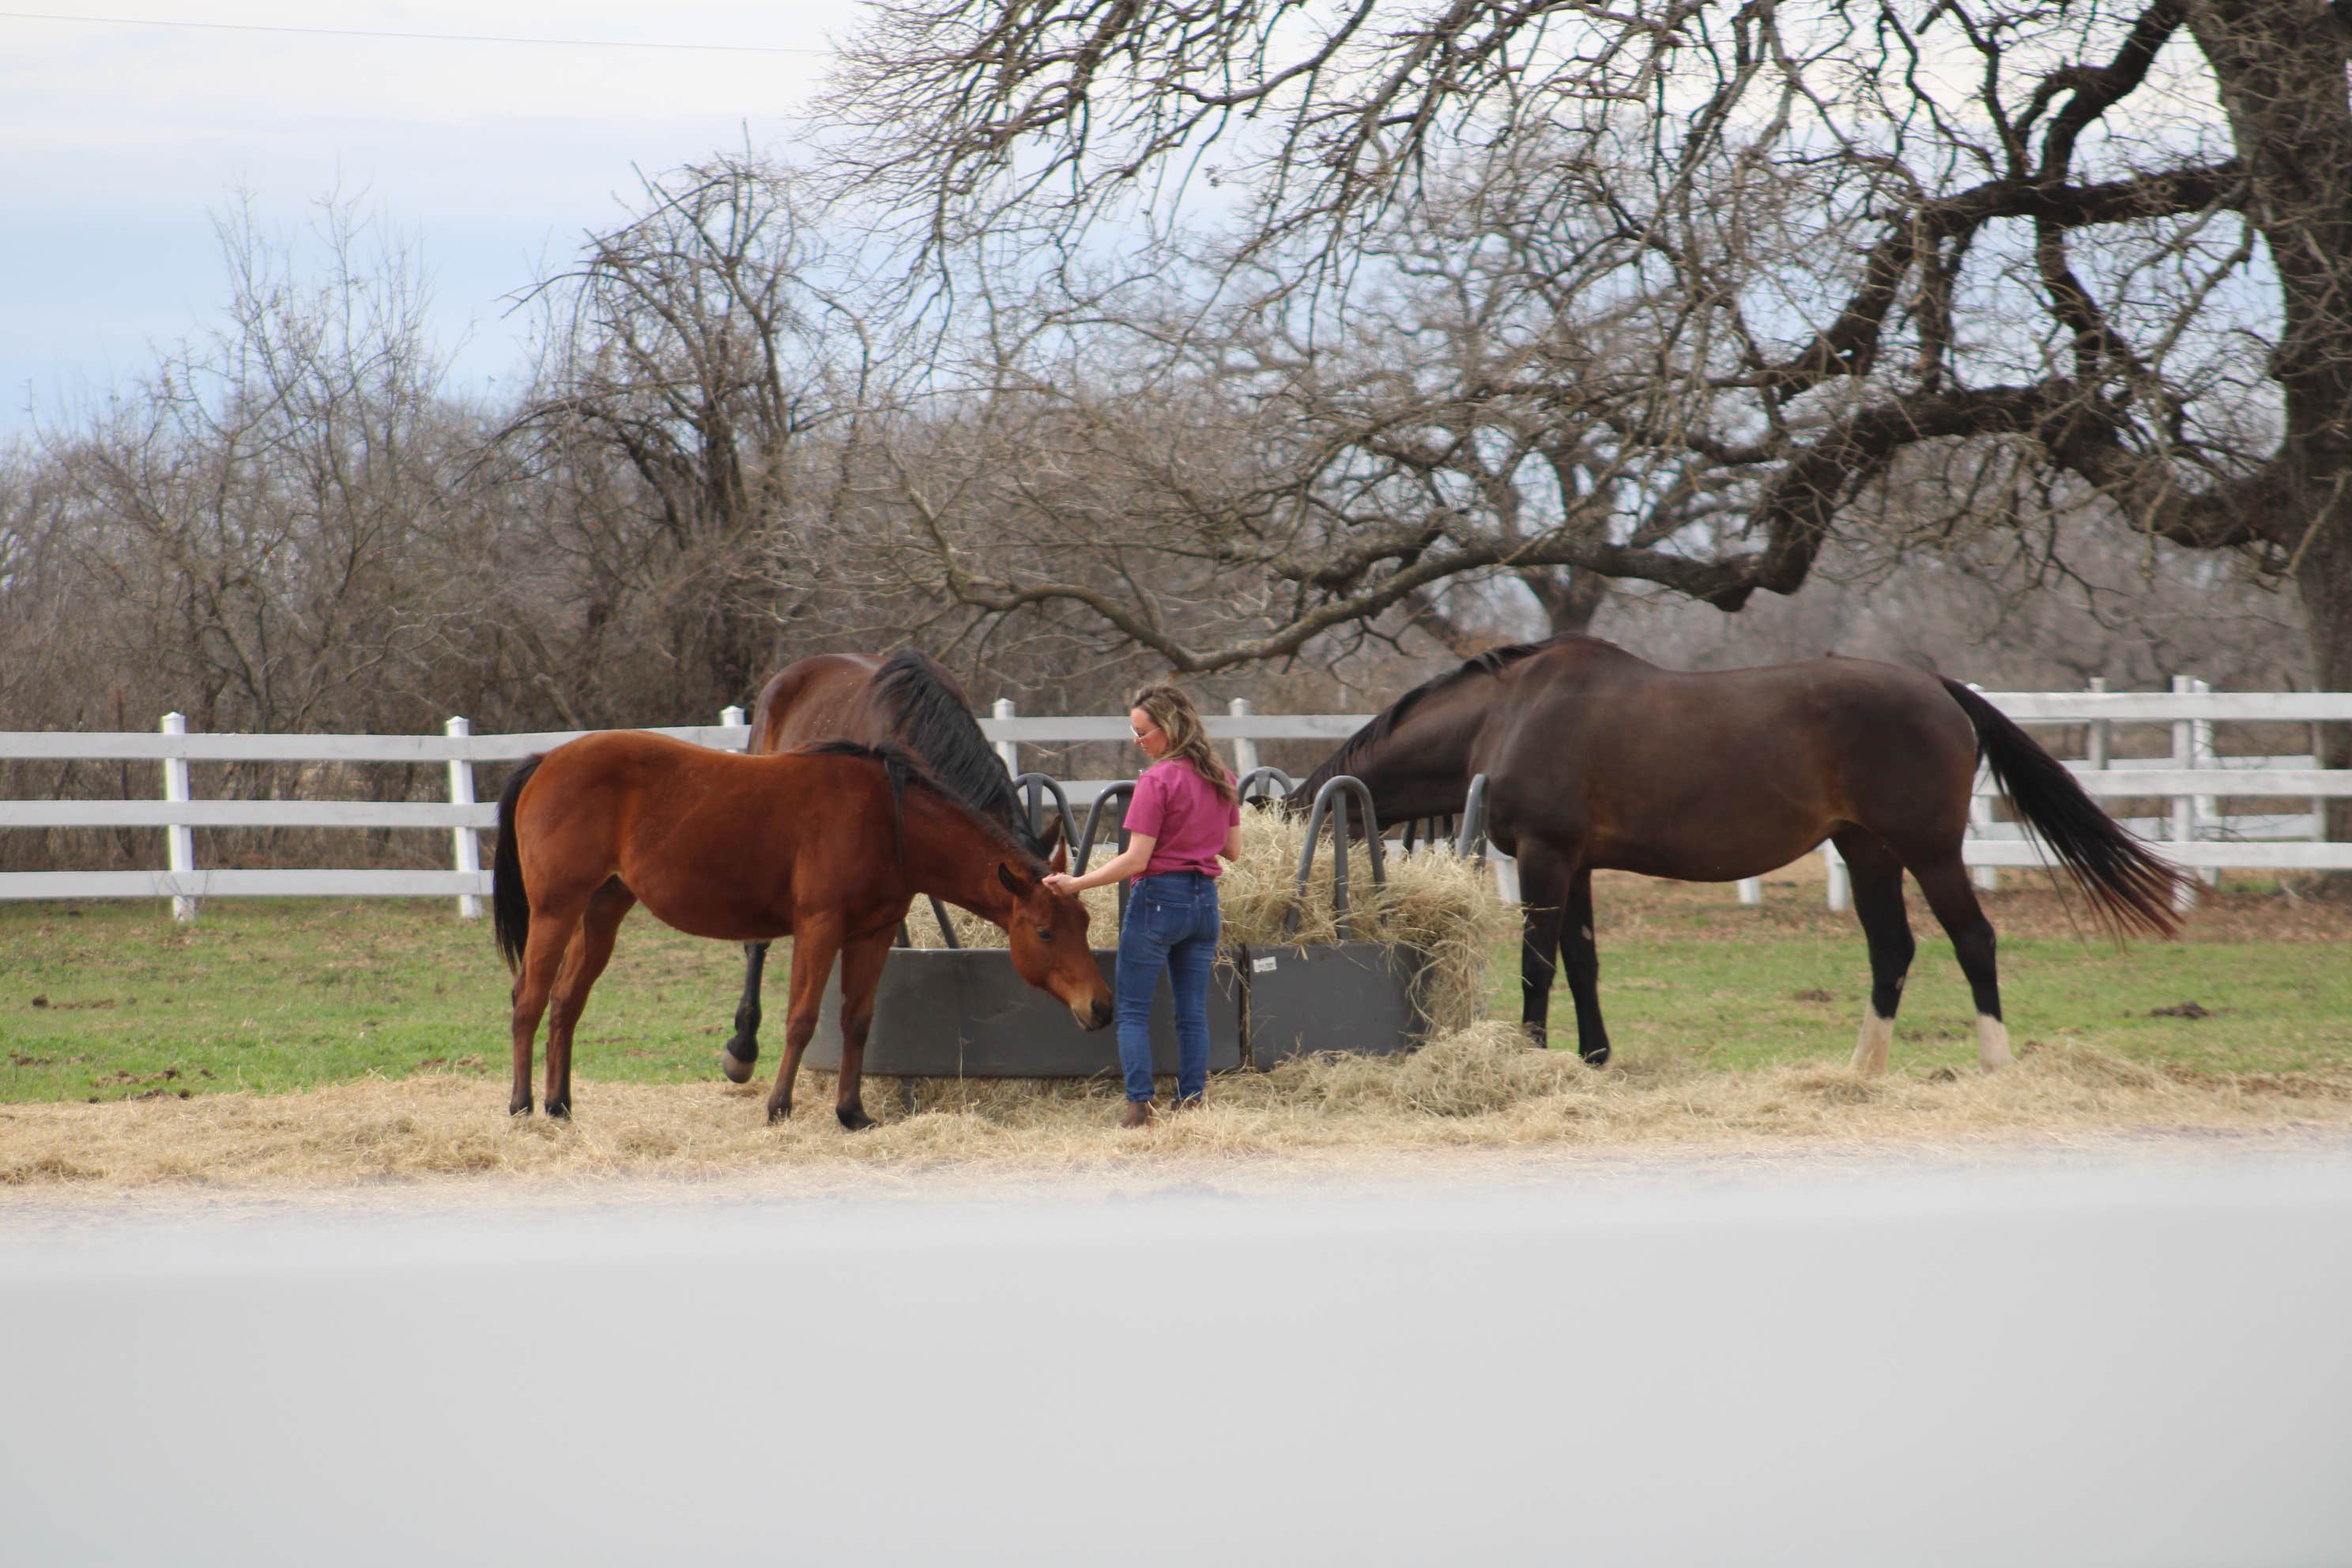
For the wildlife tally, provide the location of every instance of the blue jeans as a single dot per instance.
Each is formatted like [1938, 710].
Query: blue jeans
[1171, 925]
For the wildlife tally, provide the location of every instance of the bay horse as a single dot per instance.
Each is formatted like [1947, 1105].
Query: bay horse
[908, 700]
[828, 845]
[1597, 760]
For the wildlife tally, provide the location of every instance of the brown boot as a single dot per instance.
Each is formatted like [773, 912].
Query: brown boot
[1137, 1114]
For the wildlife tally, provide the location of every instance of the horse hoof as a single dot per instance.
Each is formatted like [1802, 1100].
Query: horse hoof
[1597, 1058]
[737, 1068]
[519, 1108]
[779, 1113]
[853, 1118]
[559, 1111]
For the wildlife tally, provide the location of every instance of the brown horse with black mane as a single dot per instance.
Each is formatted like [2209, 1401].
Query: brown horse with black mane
[907, 701]
[1596, 760]
[828, 845]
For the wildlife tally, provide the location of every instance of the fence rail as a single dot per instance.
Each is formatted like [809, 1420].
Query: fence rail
[2193, 779]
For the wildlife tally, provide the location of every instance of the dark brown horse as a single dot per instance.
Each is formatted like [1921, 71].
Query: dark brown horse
[1596, 760]
[909, 701]
[826, 845]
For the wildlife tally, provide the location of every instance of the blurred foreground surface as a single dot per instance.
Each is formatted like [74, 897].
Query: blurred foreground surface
[2125, 1359]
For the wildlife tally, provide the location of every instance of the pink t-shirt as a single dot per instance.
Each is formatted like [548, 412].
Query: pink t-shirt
[1181, 812]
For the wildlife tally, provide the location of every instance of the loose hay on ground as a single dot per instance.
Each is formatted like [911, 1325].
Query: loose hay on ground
[1475, 1089]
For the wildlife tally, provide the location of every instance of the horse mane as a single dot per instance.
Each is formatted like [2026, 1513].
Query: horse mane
[1494, 661]
[902, 768]
[932, 717]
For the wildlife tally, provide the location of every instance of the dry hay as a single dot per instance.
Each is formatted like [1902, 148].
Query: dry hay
[1476, 1089]
[1434, 901]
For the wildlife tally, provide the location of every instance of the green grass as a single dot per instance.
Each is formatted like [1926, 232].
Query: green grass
[103, 1001]
[113, 1001]
[2270, 1006]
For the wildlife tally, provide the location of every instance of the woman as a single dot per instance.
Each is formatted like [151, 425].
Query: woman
[1185, 812]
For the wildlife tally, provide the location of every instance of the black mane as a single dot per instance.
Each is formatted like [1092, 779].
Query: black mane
[930, 716]
[902, 768]
[1494, 661]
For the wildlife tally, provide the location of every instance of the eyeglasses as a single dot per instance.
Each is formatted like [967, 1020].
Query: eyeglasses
[1139, 734]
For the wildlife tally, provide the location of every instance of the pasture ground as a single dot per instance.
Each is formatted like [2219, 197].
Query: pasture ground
[294, 1042]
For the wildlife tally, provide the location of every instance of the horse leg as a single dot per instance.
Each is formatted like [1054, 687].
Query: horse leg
[585, 958]
[861, 974]
[1582, 956]
[1877, 880]
[551, 935]
[1946, 884]
[812, 952]
[1543, 895]
[743, 1045]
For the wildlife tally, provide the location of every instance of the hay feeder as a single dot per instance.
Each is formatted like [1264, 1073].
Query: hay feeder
[961, 1011]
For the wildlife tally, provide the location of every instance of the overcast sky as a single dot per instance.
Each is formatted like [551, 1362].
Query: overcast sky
[123, 141]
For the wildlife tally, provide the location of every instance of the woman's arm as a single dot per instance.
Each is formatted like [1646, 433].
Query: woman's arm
[1126, 863]
[1233, 849]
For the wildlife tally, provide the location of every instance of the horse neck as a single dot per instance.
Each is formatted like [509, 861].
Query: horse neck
[950, 855]
[1422, 767]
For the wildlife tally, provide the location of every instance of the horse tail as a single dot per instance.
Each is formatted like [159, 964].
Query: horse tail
[510, 904]
[2129, 887]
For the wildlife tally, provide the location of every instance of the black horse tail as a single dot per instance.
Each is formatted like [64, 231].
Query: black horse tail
[2129, 887]
[510, 904]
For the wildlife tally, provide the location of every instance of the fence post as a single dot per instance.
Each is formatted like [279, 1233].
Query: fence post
[469, 847]
[2101, 729]
[1840, 883]
[1008, 750]
[1985, 877]
[2207, 807]
[1751, 889]
[2184, 807]
[1245, 749]
[731, 717]
[179, 839]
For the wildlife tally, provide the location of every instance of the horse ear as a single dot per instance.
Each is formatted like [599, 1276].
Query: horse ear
[1060, 859]
[1014, 885]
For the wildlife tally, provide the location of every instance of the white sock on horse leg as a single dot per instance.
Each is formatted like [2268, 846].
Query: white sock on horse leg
[1869, 1049]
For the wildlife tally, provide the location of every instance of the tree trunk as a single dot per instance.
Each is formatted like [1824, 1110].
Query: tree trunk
[2323, 576]
[1569, 598]
[2280, 72]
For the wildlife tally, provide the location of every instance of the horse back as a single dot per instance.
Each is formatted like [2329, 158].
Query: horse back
[715, 843]
[826, 697]
[1701, 774]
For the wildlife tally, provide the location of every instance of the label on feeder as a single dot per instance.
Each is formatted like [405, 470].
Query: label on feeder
[1263, 965]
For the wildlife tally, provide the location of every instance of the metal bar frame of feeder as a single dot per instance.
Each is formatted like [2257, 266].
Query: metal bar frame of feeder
[1331, 800]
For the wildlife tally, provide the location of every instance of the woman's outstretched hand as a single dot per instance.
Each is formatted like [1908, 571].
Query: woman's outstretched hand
[1060, 882]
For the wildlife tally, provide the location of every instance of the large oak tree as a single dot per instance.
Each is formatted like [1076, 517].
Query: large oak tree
[1788, 268]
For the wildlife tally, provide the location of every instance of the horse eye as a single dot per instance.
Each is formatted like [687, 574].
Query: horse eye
[1044, 934]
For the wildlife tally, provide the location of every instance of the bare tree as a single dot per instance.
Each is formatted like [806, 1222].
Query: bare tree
[259, 531]
[2081, 261]
[690, 359]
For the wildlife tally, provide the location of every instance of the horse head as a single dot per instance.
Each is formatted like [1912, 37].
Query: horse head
[1047, 933]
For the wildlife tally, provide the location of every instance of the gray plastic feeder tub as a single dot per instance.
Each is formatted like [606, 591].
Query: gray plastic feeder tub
[1351, 996]
[963, 1012]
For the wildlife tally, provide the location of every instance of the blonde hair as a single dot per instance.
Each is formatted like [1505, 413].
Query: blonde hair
[1188, 738]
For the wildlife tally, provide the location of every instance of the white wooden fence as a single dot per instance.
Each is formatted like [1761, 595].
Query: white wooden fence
[2193, 778]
